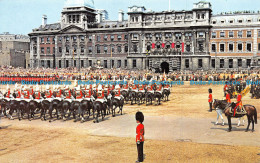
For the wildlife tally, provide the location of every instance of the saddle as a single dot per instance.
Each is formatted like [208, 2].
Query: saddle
[239, 111]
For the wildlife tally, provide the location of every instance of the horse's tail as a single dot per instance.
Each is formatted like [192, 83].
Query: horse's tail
[255, 116]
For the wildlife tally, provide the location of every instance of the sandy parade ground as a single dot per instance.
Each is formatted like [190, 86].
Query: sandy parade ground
[180, 130]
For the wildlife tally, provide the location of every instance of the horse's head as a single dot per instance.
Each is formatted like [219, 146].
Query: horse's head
[215, 104]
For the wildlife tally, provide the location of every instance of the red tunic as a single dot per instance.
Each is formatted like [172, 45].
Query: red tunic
[225, 87]
[101, 96]
[58, 93]
[228, 98]
[18, 94]
[37, 95]
[88, 94]
[68, 94]
[140, 133]
[27, 95]
[80, 95]
[118, 93]
[210, 98]
[8, 94]
[49, 94]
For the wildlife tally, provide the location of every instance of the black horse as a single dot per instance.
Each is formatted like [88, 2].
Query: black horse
[100, 108]
[149, 97]
[158, 96]
[125, 94]
[133, 97]
[117, 103]
[166, 94]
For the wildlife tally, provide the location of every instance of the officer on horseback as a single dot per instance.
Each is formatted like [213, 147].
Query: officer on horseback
[67, 94]
[37, 95]
[79, 94]
[8, 95]
[100, 95]
[58, 92]
[88, 94]
[48, 94]
[117, 93]
[17, 93]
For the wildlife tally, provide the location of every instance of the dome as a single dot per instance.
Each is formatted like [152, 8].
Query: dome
[79, 3]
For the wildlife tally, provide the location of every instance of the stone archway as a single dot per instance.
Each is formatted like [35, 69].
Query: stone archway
[165, 67]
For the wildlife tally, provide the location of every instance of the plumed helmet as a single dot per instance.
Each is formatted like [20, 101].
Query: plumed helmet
[47, 87]
[117, 87]
[99, 87]
[88, 87]
[16, 86]
[37, 88]
[139, 117]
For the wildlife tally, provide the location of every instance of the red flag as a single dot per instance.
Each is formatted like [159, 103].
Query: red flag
[153, 45]
[182, 46]
[163, 45]
[173, 45]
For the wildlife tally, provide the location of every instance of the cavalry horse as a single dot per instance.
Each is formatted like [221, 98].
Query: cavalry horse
[250, 112]
[132, 96]
[165, 94]
[117, 103]
[225, 107]
[125, 94]
[140, 97]
[148, 97]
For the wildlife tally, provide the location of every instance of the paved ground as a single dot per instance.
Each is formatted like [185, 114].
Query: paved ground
[162, 128]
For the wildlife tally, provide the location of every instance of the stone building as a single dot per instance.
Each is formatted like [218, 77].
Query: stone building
[235, 40]
[168, 40]
[14, 50]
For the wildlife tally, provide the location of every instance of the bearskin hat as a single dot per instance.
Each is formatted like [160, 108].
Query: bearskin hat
[210, 90]
[139, 117]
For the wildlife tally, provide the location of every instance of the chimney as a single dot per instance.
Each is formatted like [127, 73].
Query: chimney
[120, 15]
[44, 20]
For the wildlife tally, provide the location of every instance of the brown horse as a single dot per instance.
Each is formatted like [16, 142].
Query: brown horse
[250, 112]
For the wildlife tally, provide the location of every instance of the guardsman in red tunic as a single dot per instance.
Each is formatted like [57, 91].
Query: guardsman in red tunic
[88, 94]
[58, 93]
[67, 94]
[118, 93]
[100, 95]
[134, 88]
[106, 90]
[141, 88]
[8, 93]
[37, 95]
[140, 135]
[31, 90]
[228, 97]
[48, 94]
[26, 94]
[159, 88]
[17, 93]
[239, 103]
[225, 89]
[79, 94]
[210, 100]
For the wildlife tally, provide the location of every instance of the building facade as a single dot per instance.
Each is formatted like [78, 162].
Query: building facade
[235, 40]
[160, 41]
[14, 50]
